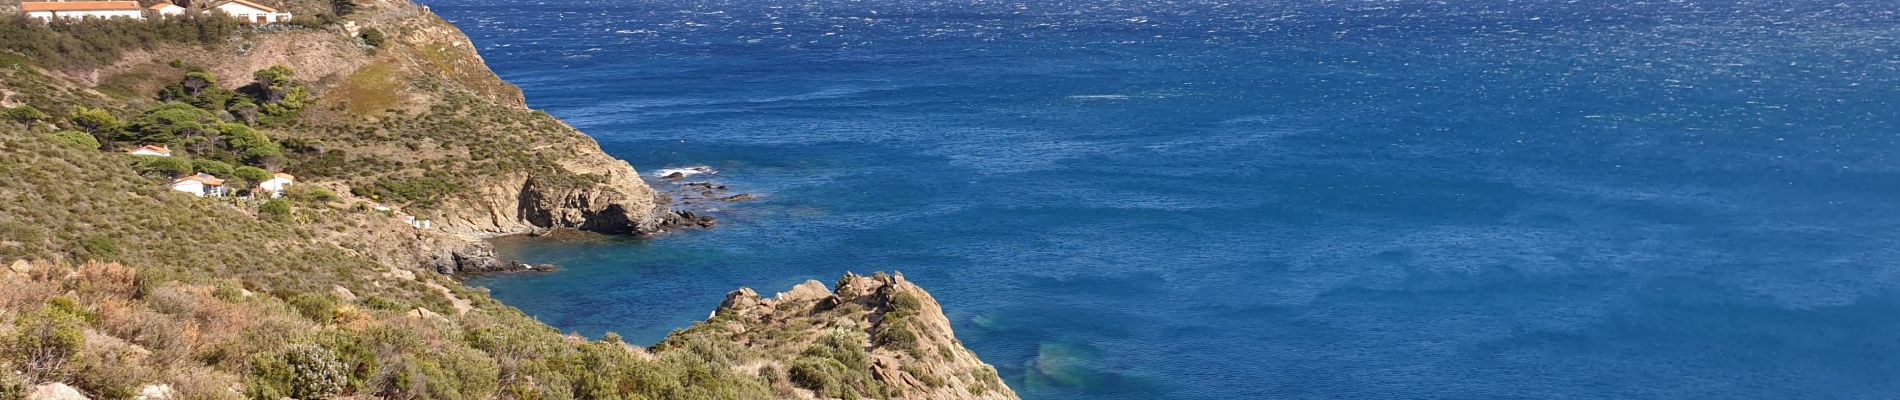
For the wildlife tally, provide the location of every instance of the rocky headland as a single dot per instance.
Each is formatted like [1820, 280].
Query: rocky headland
[422, 153]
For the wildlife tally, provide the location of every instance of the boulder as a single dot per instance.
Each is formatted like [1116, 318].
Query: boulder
[55, 391]
[739, 300]
[156, 392]
[808, 291]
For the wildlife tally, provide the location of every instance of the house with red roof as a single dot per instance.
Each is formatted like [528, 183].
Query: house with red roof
[277, 184]
[247, 11]
[151, 150]
[47, 11]
[165, 9]
[200, 185]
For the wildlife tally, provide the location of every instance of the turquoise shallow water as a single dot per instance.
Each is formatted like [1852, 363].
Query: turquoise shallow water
[1208, 200]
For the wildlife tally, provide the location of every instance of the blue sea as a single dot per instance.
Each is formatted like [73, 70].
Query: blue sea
[1216, 199]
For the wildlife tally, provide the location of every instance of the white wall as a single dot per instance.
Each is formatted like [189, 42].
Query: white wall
[276, 186]
[48, 15]
[248, 14]
[196, 188]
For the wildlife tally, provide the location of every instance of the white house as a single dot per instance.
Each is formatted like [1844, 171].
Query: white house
[277, 183]
[418, 223]
[200, 185]
[166, 10]
[251, 12]
[150, 150]
[46, 11]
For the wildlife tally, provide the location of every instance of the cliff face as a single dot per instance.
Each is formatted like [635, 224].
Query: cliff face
[908, 350]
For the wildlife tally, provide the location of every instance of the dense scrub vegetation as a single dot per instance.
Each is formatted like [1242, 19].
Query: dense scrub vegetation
[96, 42]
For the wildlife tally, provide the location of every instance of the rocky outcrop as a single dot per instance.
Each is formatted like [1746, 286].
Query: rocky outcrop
[911, 350]
[54, 391]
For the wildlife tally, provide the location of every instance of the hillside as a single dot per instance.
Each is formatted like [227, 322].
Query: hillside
[118, 286]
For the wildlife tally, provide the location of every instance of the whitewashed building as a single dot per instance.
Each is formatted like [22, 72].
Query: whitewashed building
[200, 185]
[277, 184]
[150, 150]
[251, 12]
[47, 11]
[166, 10]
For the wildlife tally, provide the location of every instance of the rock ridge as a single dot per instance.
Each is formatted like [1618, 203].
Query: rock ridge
[912, 351]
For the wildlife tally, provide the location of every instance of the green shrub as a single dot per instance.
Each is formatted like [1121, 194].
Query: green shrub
[372, 37]
[836, 365]
[278, 94]
[921, 375]
[100, 247]
[316, 307]
[420, 192]
[161, 166]
[248, 144]
[169, 122]
[26, 114]
[300, 371]
[253, 175]
[896, 331]
[275, 209]
[213, 167]
[43, 341]
[323, 194]
[456, 373]
[77, 139]
[95, 121]
[227, 292]
[375, 302]
[821, 375]
[906, 302]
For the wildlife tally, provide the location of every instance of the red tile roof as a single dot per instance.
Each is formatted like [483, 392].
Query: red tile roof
[202, 178]
[159, 149]
[78, 5]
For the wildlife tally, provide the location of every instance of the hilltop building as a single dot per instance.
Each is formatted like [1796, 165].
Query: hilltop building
[277, 184]
[163, 10]
[243, 10]
[251, 12]
[151, 150]
[200, 185]
[47, 11]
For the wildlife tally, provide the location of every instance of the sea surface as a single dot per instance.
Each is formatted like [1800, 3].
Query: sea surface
[1201, 199]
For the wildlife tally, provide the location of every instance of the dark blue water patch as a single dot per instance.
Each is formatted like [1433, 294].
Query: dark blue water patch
[1202, 200]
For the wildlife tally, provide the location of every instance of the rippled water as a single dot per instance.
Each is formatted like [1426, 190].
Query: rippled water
[1317, 199]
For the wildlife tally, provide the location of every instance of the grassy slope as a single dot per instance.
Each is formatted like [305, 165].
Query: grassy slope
[62, 204]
